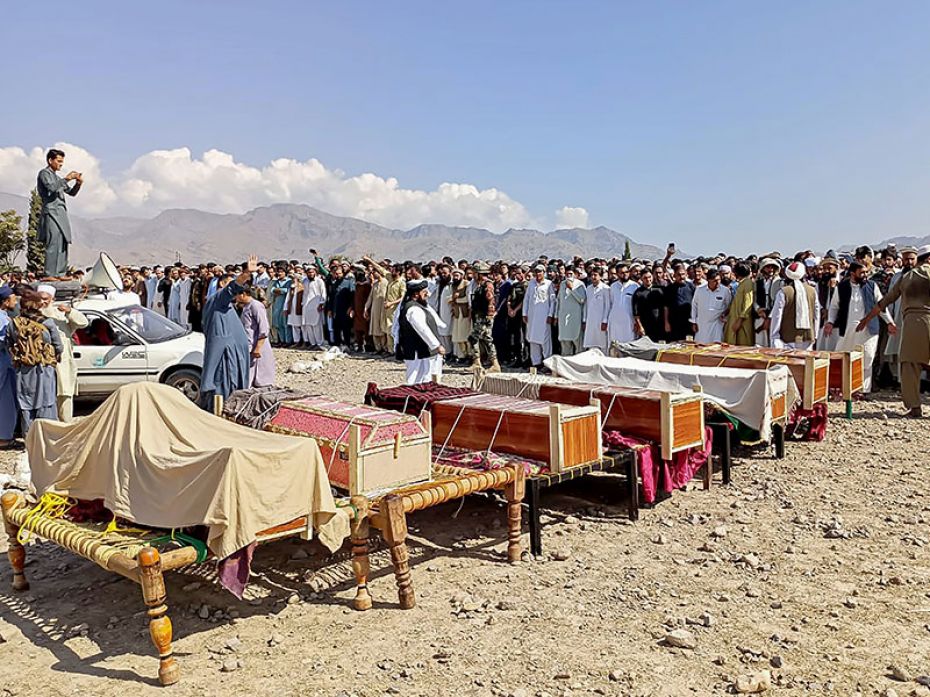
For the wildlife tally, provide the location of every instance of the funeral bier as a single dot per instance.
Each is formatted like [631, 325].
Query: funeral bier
[810, 369]
[561, 435]
[365, 449]
[672, 420]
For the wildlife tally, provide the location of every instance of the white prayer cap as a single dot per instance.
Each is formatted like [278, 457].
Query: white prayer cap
[45, 288]
[811, 262]
[724, 268]
[795, 271]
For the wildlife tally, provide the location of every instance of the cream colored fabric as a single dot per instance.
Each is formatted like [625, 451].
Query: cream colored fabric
[66, 368]
[156, 459]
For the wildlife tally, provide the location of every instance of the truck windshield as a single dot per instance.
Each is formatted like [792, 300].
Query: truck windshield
[150, 325]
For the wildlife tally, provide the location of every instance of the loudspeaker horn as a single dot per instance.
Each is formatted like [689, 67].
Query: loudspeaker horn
[105, 274]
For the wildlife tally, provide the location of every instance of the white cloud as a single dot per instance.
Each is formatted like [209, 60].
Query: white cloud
[568, 217]
[217, 182]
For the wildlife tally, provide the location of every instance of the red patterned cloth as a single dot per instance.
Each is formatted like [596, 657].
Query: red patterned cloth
[656, 472]
[413, 399]
[808, 424]
[483, 460]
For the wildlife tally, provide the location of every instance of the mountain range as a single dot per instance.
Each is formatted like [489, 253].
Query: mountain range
[288, 231]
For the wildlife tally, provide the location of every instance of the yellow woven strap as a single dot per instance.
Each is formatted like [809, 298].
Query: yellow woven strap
[50, 506]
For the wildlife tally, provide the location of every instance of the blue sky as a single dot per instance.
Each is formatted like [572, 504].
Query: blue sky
[715, 124]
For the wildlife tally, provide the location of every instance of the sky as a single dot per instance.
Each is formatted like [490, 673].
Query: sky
[718, 125]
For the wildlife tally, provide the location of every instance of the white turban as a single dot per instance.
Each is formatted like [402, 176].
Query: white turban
[45, 288]
[802, 311]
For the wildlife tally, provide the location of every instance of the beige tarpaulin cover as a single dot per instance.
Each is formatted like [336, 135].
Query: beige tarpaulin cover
[156, 459]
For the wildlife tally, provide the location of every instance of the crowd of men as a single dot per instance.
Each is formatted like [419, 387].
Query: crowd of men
[518, 314]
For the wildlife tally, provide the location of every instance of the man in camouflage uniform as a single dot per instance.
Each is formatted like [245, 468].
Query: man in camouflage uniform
[482, 317]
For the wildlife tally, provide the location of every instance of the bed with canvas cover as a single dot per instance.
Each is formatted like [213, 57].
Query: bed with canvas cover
[150, 460]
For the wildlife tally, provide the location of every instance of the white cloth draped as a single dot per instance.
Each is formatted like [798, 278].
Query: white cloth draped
[744, 394]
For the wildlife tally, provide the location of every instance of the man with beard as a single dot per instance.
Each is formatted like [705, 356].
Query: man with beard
[855, 297]
[739, 320]
[677, 310]
[596, 312]
[418, 335]
[343, 303]
[620, 320]
[195, 304]
[913, 291]
[279, 289]
[795, 311]
[538, 315]
[648, 304]
[892, 348]
[226, 353]
[483, 310]
[570, 311]
[767, 285]
[255, 322]
[826, 287]
[516, 352]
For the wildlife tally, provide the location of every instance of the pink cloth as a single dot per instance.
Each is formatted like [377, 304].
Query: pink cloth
[656, 472]
[235, 569]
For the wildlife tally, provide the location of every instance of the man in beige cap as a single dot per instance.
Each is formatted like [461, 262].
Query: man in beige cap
[767, 285]
[913, 289]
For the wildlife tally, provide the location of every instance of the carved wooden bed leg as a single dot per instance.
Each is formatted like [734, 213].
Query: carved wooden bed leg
[16, 552]
[395, 533]
[153, 593]
[514, 493]
[360, 562]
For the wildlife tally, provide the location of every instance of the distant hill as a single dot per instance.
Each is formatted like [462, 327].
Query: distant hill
[285, 231]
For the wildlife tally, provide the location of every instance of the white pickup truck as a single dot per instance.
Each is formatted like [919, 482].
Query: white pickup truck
[127, 343]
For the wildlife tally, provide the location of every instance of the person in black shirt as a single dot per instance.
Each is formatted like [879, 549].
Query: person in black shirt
[648, 308]
[678, 296]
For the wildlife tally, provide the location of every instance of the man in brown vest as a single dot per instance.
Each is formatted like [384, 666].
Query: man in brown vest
[796, 311]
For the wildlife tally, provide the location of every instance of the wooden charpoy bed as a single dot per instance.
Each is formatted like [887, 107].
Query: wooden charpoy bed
[142, 562]
[810, 369]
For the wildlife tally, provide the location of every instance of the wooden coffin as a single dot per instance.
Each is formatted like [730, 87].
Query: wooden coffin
[810, 369]
[366, 450]
[561, 435]
[673, 420]
[846, 371]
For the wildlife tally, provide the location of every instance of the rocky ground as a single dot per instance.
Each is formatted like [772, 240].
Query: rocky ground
[809, 572]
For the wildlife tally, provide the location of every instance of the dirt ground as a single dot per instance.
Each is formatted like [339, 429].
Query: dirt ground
[814, 568]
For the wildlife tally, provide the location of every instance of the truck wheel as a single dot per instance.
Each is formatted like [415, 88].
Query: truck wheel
[187, 381]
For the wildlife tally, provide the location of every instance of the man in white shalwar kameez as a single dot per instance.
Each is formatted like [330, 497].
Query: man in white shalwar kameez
[795, 311]
[596, 312]
[620, 326]
[314, 301]
[854, 298]
[538, 315]
[709, 308]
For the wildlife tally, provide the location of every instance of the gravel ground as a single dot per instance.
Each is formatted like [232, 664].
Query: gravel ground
[814, 568]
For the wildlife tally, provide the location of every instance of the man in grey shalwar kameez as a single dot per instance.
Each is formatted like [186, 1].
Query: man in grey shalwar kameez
[255, 322]
[226, 345]
[54, 229]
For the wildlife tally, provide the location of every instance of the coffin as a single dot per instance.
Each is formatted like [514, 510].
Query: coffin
[561, 435]
[673, 420]
[810, 369]
[846, 371]
[366, 449]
